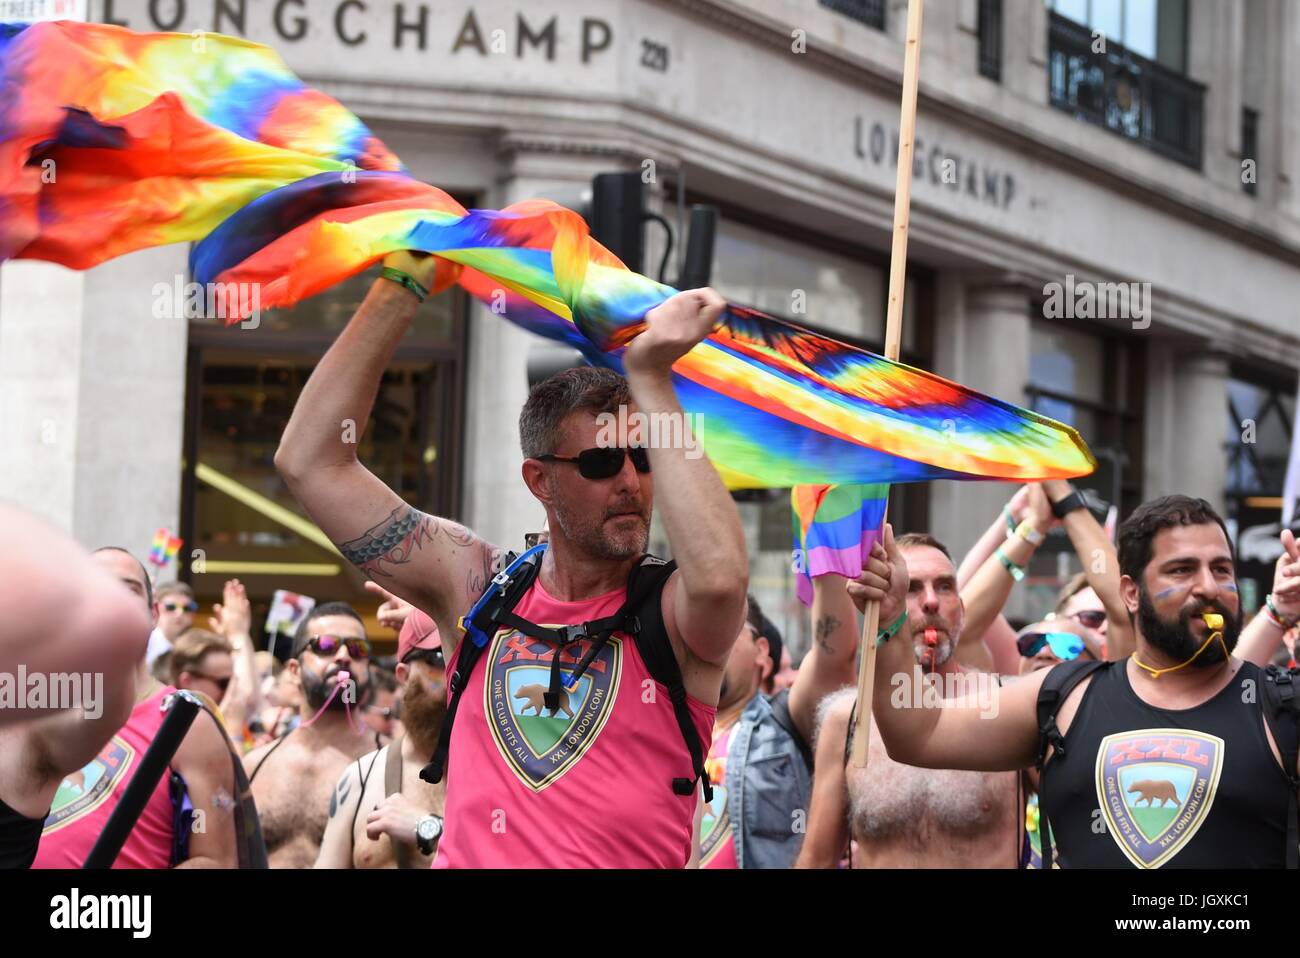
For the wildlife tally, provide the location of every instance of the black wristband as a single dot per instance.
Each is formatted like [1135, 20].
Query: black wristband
[1063, 507]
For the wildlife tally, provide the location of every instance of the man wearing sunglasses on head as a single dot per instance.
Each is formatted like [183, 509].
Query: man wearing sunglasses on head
[293, 777]
[615, 731]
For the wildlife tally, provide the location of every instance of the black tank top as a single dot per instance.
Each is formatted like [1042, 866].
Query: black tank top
[1139, 786]
[19, 838]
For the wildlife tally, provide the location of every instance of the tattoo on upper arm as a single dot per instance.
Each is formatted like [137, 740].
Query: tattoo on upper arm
[393, 541]
[823, 629]
[340, 794]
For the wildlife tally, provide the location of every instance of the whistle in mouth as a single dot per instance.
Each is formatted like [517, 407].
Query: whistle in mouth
[1213, 620]
[932, 637]
[342, 677]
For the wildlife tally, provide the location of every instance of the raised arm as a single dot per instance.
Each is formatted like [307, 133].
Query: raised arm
[233, 620]
[1259, 640]
[829, 664]
[1100, 566]
[436, 564]
[965, 734]
[704, 601]
[985, 595]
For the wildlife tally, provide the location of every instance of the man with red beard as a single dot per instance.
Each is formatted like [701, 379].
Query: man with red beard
[403, 814]
[1151, 761]
[592, 683]
[293, 777]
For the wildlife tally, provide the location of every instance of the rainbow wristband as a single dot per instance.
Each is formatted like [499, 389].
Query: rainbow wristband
[884, 635]
[1283, 623]
[406, 281]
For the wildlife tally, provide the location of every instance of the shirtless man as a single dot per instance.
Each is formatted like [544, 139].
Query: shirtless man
[293, 777]
[901, 816]
[401, 829]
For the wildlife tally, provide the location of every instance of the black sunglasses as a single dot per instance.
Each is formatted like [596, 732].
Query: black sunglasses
[1092, 618]
[222, 684]
[329, 644]
[604, 462]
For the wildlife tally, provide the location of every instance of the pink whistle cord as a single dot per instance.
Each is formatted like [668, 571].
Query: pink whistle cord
[341, 679]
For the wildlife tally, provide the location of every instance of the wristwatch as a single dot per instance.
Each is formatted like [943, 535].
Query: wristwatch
[427, 831]
[1063, 507]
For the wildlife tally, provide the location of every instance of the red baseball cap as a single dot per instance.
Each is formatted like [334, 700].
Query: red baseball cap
[418, 632]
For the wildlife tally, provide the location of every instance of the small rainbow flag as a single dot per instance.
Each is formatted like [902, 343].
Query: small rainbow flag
[834, 528]
[164, 548]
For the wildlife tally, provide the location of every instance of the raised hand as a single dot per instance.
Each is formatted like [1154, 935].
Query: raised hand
[393, 611]
[672, 330]
[884, 579]
[1286, 577]
[233, 615]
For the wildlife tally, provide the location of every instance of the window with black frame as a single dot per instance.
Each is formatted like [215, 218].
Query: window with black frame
[1122, 65]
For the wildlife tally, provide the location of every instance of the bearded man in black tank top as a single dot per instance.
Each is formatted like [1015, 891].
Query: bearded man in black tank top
[1165, 759]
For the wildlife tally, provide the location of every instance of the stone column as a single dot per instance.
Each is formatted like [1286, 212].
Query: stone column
[1187, 400]
[93, 393]
[982, 341]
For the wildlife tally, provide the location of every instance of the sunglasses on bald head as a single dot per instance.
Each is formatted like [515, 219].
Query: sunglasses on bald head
[604, 462]
[1064, 645]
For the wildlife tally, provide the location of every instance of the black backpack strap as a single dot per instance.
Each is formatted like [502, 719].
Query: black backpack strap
[1059, 682]
[647, 628]
[780, 703]
[1281, 706]
[469, 652]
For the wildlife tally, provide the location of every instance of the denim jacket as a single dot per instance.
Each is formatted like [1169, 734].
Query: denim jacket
[768, 789]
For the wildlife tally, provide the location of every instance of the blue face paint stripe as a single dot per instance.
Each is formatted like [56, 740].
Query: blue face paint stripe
[1165, 593]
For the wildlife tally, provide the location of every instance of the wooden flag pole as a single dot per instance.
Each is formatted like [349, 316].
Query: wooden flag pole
[893, 336]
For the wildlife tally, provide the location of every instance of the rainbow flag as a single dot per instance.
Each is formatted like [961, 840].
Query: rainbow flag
[113, 141]
[164, 547]
[834, 529]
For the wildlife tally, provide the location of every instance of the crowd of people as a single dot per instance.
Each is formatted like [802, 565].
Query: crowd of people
[1140, 722]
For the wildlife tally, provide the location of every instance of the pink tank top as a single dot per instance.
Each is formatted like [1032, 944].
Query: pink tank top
[717, 844]
[587, 787]
[85, 800]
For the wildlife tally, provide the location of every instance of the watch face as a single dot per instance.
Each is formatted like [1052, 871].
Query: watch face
[430, 828]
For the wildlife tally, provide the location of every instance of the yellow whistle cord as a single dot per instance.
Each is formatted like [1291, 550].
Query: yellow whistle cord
[1156, 673]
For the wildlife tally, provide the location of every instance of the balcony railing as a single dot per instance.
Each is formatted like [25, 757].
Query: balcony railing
[1125, 92]
[870, 12]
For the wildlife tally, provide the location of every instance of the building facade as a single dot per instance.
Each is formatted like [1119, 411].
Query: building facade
[1105, 226]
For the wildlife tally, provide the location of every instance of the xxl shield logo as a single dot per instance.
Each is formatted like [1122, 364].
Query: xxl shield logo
[83, 791]
[1156, 787]
[541, 744]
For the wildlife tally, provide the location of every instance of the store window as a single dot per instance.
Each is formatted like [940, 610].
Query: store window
[242, 387]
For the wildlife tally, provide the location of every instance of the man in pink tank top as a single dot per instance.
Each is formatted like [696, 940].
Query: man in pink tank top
[588, 782]
[84, 800]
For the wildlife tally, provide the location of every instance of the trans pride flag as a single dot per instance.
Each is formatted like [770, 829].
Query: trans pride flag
[834, 529]
[113, 141]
